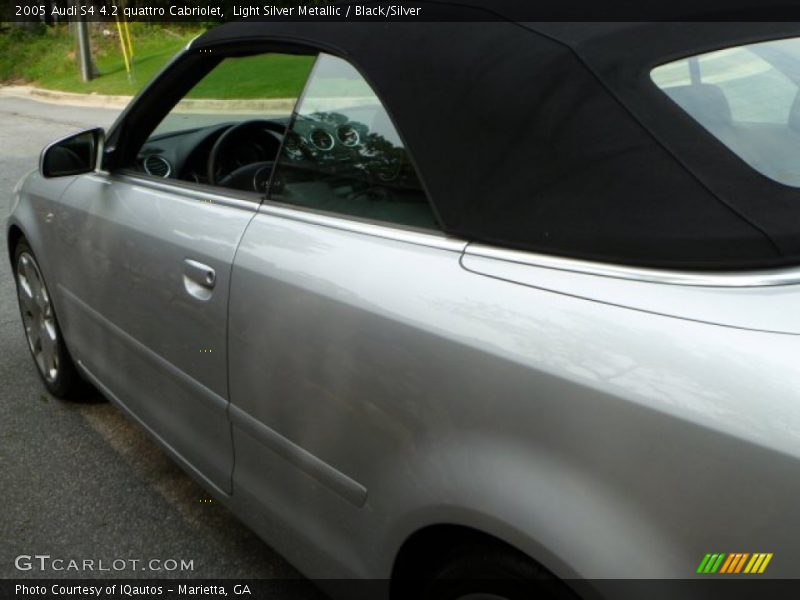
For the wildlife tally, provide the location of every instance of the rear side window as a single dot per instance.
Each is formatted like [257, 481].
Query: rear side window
[747, 97]
[342, 153]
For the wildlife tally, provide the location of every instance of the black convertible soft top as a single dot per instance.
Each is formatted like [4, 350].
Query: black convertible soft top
[551, 137]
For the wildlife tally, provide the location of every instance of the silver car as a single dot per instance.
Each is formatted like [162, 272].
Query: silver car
[469, 308]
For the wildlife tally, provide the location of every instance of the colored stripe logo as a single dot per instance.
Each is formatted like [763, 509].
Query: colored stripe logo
[734, 563]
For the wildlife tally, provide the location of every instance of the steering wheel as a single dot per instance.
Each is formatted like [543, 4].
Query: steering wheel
[252, 178]
[223, 142]
[257, 176]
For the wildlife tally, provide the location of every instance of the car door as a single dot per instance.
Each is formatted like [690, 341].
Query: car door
[147, 253]
[320, 345]
[147, 304]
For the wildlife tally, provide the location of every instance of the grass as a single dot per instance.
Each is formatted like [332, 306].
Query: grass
[262, 76]
[47, 58]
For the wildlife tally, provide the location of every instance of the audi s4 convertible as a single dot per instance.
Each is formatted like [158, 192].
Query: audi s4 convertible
[461, 307]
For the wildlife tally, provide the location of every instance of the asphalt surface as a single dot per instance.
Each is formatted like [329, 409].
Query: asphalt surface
[79, 480]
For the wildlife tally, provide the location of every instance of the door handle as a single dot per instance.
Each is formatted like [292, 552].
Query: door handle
[198, 279]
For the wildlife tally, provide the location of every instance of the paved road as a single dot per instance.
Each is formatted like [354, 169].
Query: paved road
[79, 480]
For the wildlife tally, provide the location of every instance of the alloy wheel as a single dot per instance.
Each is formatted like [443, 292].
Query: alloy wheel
[38, 316]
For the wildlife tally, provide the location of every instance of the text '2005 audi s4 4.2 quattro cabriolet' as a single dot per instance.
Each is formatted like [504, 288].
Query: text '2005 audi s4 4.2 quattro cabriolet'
[505, 303]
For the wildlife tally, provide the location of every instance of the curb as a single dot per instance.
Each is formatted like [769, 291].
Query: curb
[68, 98]
[283, 105]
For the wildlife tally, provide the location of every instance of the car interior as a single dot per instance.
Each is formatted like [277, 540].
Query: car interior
[770, 148]
[343, 160]
[749, 99]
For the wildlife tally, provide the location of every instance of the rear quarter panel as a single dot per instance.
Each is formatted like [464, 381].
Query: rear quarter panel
[603, 441]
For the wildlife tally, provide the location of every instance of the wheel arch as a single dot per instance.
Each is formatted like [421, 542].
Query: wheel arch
[15, 234]
[422, 553]
[551, 507]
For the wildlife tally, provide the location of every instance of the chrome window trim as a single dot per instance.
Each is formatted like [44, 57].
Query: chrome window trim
[184, 189]
[727, 279]
[386, 231]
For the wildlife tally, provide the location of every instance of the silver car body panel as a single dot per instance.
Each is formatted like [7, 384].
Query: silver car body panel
[120, 247]
[758, 301]
[611, 422]
[379, 386]
[545, 419]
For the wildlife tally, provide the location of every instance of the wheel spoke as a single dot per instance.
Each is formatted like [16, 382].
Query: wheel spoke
[38, 354]
[24, 277]
[30, 279]
[49, 345]
[48, 341]
[26, 300]
[47, 311]
[39, 294]
[34, 336]
[24, 266]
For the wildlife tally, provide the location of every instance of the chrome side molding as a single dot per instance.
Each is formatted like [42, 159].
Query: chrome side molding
[724, 279]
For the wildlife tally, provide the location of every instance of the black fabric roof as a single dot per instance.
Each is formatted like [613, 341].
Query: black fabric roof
[551, 137]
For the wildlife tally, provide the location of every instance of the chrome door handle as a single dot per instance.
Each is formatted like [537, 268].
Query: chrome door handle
[198, 279]
[200, 273]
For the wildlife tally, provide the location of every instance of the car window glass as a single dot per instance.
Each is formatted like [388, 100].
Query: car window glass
[244, 103]
[748, 98]
[240, 88]
[343, 154]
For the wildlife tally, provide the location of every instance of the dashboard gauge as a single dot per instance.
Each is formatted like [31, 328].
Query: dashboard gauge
[348, 136]
[321, 140]
[261, 179]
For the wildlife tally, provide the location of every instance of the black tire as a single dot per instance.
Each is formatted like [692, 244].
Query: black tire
[493, 572]
[60, 376]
